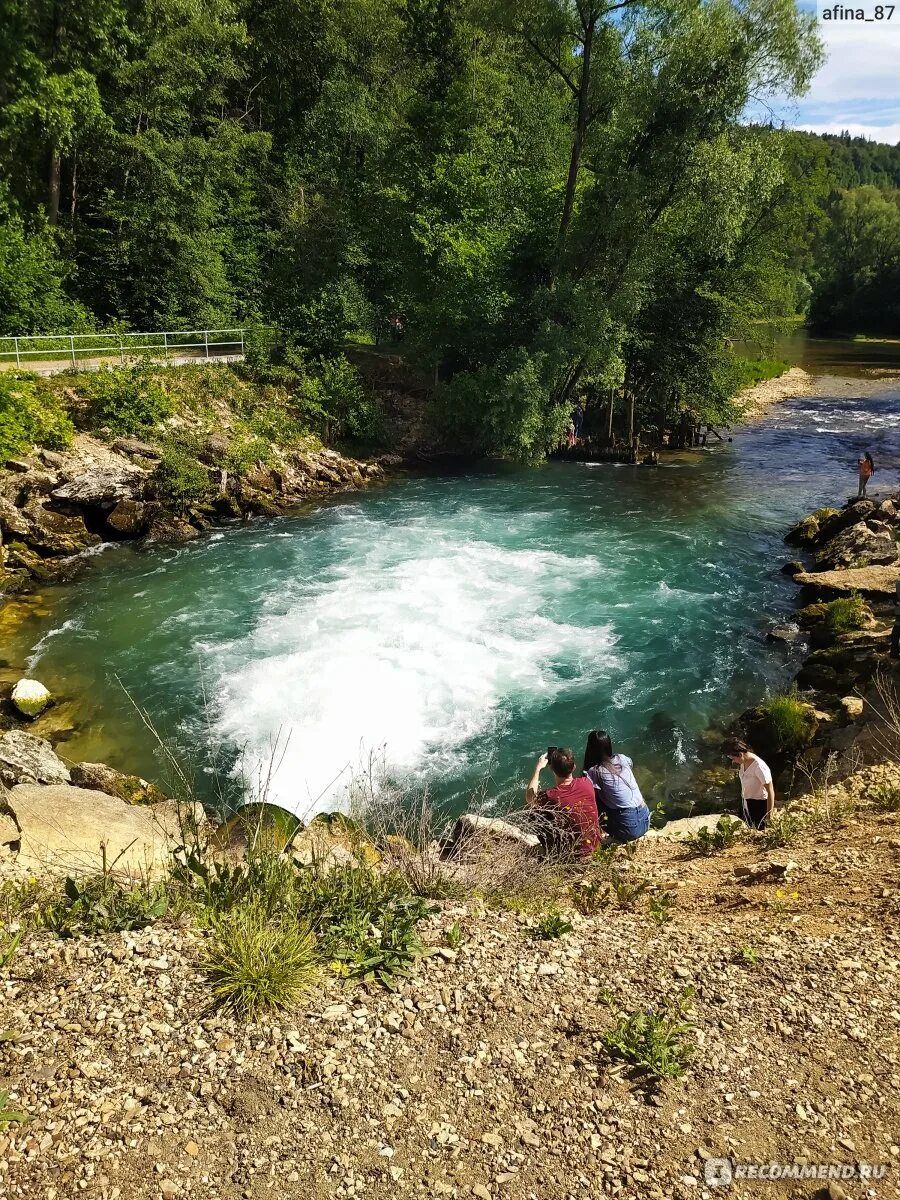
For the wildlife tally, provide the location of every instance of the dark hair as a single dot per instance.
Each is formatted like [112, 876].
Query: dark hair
[871, 460]
[598, 749]
[562, 762]
[734, 746]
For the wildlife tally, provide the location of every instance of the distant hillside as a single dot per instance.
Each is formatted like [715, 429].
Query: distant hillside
[855, 161]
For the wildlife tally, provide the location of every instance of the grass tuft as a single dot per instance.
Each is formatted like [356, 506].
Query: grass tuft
[712, 841]
[258, 964]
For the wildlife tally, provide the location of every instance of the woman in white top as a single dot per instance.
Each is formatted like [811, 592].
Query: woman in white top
[757, 790]
[616, 789]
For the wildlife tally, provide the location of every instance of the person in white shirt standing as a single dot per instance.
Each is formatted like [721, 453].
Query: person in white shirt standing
[757, 790]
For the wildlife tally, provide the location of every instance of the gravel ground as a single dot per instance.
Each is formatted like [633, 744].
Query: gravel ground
[486, 1075]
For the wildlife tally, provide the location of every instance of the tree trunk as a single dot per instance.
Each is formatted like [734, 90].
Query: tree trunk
[53, 186]
[630, 418]
[581, 124]
[609, 423]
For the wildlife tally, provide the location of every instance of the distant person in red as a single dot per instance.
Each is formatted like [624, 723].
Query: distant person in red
[866, 468]
[567, 821]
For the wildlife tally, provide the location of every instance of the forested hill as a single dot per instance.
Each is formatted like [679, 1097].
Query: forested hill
[547, 199]
[858, 162]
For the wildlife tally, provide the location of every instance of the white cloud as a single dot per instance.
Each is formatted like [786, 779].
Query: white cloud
[879, 133]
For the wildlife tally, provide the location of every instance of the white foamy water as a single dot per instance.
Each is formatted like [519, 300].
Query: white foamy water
[404, 656]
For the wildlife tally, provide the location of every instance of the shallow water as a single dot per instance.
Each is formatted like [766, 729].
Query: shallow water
[447, 628]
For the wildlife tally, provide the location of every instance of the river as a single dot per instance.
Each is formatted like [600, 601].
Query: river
[444, 629]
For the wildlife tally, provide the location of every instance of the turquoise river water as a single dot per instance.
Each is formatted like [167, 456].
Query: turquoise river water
[444, 629]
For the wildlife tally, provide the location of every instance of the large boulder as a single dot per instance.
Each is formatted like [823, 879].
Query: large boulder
[102, 487]
[25, 758]
[30, 697]
[82, 831]
[859, 546]
[53, 532]
[839, 519]
[129, 518]
[101, 778]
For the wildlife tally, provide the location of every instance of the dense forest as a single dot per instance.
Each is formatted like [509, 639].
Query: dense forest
[545, 198]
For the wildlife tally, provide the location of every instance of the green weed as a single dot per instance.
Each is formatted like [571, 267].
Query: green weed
[30, 414]
[884, 797]
[655, 1040]
[550, 926]
[790, 721]
[455, 935]
[783, 828]
[9, 945]
[712, 841]
[101, 904]
[749, 956]
[661, 906]
[179, 479]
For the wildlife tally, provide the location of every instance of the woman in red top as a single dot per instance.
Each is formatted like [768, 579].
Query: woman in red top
[570, 807]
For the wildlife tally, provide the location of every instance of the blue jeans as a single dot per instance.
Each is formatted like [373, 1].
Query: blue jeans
[627, 824]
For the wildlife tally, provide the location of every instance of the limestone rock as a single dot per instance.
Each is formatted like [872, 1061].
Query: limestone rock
[686, 827]
[853, 707]
[135, 447]
[56, 533]
[129, 517]
[30, 697]
[794, 567]
[101, 778]
[473, 829]
[13, 522]
[838, 520]
[170, 528]
[102, 487]
[804, 533]
[783, 633]
[25, 758]
[859, 546]
[876, 581]
[67, 828]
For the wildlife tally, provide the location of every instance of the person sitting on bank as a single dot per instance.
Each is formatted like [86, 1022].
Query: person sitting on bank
[616, 789]
[757, 789]
[568, 810]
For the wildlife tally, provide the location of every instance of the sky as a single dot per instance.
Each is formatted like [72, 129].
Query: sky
[858, 88]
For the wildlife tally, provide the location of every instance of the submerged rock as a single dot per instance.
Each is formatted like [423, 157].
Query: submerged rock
[25, 758]
[30, 697]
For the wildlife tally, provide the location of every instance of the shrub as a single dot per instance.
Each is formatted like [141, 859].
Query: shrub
[846, 614]
[783, 828]
[885, 797]
[711, 841]
[551, 925]
[257, 963]
[654, 1040]
[179, 479]
[126, 399]
[30, 414]
[790, 722]
[103, 905]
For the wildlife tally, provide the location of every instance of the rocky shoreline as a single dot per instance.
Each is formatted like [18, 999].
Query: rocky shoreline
[57, 506]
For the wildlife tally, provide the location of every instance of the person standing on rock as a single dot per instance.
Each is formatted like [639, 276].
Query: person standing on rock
[866, 467]
[757, 789]
[565, 815]
[618, 796]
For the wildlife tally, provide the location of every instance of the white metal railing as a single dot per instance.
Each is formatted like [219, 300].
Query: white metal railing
[73, 348]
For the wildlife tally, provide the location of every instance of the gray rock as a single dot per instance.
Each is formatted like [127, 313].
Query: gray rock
[859, 546]
[137, 448]
[677, 831]
[25, 758]
[783, 633]
[102, 487]
[851, 514]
